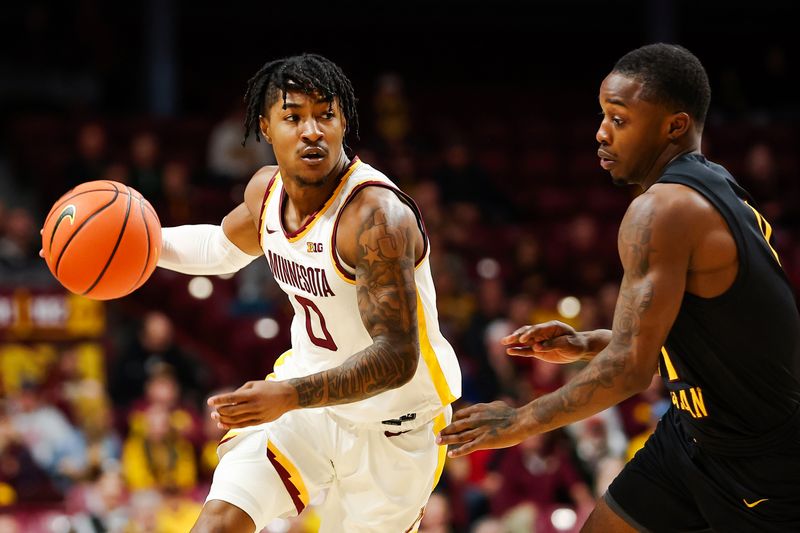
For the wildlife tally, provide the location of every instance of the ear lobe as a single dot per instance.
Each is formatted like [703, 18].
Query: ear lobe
[263, 124]
[679, 124]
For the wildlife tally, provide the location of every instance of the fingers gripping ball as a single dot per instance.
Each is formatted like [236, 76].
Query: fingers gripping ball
[102, 240]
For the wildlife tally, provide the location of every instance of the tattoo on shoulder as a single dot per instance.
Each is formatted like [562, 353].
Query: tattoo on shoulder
[634, 237]
[387, 301]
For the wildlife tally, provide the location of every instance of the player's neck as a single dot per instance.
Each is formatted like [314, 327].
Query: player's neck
[305, 199]
[669, 155]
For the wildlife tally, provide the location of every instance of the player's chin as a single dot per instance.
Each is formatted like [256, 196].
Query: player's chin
[313, 178]
[619, 179]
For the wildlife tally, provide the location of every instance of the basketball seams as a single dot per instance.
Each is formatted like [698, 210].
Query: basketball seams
[116, 246]
[79, 228]
[147, 258]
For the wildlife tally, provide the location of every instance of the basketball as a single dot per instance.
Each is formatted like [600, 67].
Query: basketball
[101, 240]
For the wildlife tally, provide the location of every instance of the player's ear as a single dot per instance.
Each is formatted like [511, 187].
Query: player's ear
[678, 125]
[263, 123]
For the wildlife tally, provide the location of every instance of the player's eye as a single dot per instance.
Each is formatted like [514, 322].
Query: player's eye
[617, 121]
[291, 118]
[327, 115]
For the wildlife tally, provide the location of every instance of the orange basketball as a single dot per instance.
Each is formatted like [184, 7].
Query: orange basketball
[102, 240]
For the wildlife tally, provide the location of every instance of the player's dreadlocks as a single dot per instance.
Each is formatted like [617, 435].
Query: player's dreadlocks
[307, 73]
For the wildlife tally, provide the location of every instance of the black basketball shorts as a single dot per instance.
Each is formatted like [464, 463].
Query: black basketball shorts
[673, 485]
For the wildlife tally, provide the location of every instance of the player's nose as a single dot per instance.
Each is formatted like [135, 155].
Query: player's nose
[311, 130]
[602, 135]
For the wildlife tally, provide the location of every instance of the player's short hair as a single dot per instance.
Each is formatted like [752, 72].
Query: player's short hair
[671, 76]
[308, 73]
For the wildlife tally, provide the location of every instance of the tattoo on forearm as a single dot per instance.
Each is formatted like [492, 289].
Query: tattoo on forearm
[387, 301]
[635, 297]
[500, 417]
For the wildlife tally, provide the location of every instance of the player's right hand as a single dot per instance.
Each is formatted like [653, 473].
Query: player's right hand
[554, 342]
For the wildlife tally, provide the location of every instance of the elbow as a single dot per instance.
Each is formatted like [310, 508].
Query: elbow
[411, 362]
[407, 355]
[639, 381]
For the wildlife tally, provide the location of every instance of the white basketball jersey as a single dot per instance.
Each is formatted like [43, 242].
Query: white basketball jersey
[327, 328]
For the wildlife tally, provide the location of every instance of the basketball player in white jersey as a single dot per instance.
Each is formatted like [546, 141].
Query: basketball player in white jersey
[354, 406]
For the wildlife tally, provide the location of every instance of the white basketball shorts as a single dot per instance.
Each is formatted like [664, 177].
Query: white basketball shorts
[378, 476]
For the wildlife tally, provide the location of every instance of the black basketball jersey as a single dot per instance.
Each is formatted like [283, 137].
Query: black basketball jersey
[731, 363]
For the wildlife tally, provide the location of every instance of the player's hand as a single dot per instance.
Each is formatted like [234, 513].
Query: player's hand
[253, 403]
[554, 342]
[480, 427]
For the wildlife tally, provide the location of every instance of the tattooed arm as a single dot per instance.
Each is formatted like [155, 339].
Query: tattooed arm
[655, 250]
[379, 235]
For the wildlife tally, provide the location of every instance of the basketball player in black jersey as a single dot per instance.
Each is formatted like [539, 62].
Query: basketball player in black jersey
[703, 301]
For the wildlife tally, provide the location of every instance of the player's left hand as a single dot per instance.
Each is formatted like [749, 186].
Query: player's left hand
[482, 426]
[255, 402]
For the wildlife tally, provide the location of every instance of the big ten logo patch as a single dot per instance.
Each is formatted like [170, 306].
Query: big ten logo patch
[314, 247]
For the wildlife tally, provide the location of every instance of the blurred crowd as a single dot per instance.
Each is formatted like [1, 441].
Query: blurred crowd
[522, 225]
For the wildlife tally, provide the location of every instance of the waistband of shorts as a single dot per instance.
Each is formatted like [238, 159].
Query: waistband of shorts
[405, 422]
[775, 440]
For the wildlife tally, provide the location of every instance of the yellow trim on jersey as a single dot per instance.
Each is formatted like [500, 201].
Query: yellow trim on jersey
[766, 230]
[438, 424]
[671, 374]
[263, 228]
[294, 474]
[429, 356]
[325, 207]
[229, 435]
[278, 362]
[339, 270]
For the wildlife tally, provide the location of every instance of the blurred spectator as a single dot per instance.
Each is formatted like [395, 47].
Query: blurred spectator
[528, 270]
[607, 303]
[426, 194]
[437, 515]
[455, 302]
[212, 434]
[489, 524]
[118, 172]
[764, 180]
[642, 412]
[392, 113]
[9, 524]
[177, 514]
[90, 160]
[103, 505]
[177, 199]
[22, 480]
[103, 444]
[534, 475]
[596, 439]
[18, 244]
[20, 264]
[146, 170]
[503, 366]
[163, 390]
[227, 159]
[65, 385]
[56, 446]
[85, 402]
[480, 383]
[160, 458]
[143, 514]
[154, 345]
